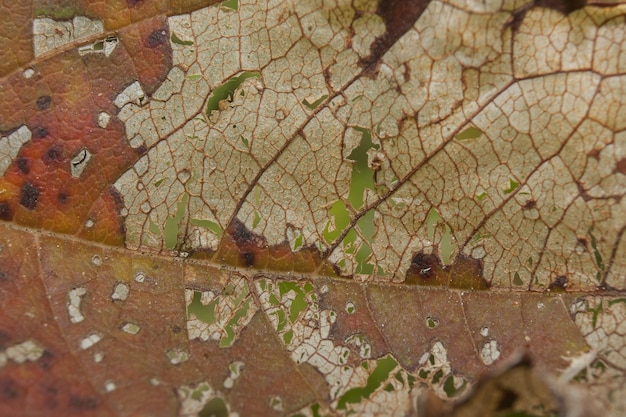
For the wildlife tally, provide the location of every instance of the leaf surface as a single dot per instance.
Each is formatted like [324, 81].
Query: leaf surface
[306, 208]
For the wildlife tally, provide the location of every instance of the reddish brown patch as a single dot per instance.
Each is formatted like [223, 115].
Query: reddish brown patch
[464, 272]
[241, 247]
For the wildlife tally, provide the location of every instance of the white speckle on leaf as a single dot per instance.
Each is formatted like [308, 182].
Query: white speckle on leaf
[131, 328]
[29, 350]
[177, 356]
[120, 292]
[75, 297]
[490, 352]
[132, 94]
[90, 340]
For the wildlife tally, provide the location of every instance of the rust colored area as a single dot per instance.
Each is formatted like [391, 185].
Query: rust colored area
[241, 247]
[60, 104]
[464, 272]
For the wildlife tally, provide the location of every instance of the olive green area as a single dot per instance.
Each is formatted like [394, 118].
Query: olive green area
[362, 175]
[175, 39]
[379, 375]
[214, 408]
[316, 103]
[469, 133]
[512, 186]
[56, 12]
[208, 224]
[231, 4]
[227, 91]
[172, 223]
[241, 302]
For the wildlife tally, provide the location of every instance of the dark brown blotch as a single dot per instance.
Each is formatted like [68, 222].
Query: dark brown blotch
[156, 38]
[9, 390]
[399, 16]
[563, 6]
[559, 284]
[39, 132]
[54, 154]
[83, 403]
[5, 211]
[43, 102]
[29, 196]
[23, 165]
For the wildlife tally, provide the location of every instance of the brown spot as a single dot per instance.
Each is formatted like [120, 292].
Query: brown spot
[247, 258]
[43, 102]
[530, 204]
[156, 38]
[425, 266]
[176, 329]
[563, 6]
[133, 3]
[54, 154]
[83, 403]
[621, 166]
[45, 361]
[9, 389]
[5, 211]
[399, 16]
[4, 276]
[39, 132]
[582, 192]
[559, 284]
[29, 196]
[4, 338]
[464, 273]
[23, 165]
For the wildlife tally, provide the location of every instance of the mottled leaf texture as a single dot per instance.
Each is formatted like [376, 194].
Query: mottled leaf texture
[312, 208]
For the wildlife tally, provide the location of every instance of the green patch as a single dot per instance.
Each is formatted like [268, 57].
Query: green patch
[172, 223]
[431, 222]
[227, 91]
[481, 196]
[231, 4]
[517, 280]
[431, 323]
[299, 303]
[214, 408]
[450, 389]
[256, 220]
[512, 186]
[469, 133]
[316, 103]
[379, 375]
[298, 243]
[595, 313]
[56, 12]
[208, 224]
[242, 312]
[159, 182]
[597, 256]
[362, 175]
[287, 337]
[195, 77]
[445, 247]
[341, 217]
[152, 227]
[204, 313]
[175, 39]
[245, 142]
